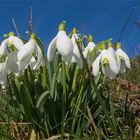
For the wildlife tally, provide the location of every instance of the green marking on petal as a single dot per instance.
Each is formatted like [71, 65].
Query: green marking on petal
[62, 26]
[121, 58]
[105, 61]
[2, 59]
[11, 46]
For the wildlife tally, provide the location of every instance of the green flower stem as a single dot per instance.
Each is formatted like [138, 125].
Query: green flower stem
[78, 107]
[63, 99]
[44, 80]
[75, 78]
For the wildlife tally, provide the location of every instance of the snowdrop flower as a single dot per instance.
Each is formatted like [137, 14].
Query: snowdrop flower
[113, 53]
[3, 47]
[11, 43]
[107, 62]
[25, 54]
[124, 59]
[62, 43]
[76, 57]
[89, 47]
[15, 41]
[8, 52]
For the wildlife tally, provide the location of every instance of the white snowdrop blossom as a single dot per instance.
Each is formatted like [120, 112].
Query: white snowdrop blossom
[76, 56]
[10, 44]
[90, 46]
[123, 57]
[8, 56]
[113, 53]
[15, 41]
[107, 62]
[63, 44]
[26, 55]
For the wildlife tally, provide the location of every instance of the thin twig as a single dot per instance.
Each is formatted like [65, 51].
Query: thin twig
[13, 123]
[58, 136]
[30, 24]
[16, 132]
[126, 22]
[16, 29]
[93, 123]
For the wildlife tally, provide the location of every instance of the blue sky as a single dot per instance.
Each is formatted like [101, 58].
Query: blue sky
[103, 19]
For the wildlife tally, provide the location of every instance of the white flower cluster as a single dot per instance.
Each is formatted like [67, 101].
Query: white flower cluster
[15, 56]
[108, 60]
[111, 62]
[68, 47]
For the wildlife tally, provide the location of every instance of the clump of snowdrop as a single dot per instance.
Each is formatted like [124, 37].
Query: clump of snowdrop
[16, 56]
[123, 58]
[30, 54]
[106, 62]
[62, 43]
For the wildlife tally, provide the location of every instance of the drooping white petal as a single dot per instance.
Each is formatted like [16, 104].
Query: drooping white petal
[121, 53]
[17, 42]
[20, 73]
[115, 55]
[85, 52]
[80, 63]
[32, 62]
[64, 44]
[67, 59]
[11, 62]
[112, 52]
[3, 47]
[27, 50]
[75, 49]
[122, 67]
[91, 46]
[1, 69]
[126, 59]
[96, 65]
[3, 75]
[39, 57]
[108, 72]
[51, 50]
[118, 61]
[88, 49]
[112, 62]
[23, 64]
[74, 58]
[3, 81]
